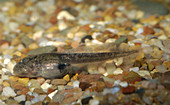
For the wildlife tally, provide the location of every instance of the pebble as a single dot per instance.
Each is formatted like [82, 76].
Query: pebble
[26, 40]
[148, 100]
[135, 69]
[47, 49]
[122, 39]
[118, 71]
[161, 68]
[76, 84]
[58, 82]
[8, 92]
[34, 84]
[152, 7]
[94, 102]
[86, 100]
[45, 86]
[20, 98]
[66, 15]
[111, 90]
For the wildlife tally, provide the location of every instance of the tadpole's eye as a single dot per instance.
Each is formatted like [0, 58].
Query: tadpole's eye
[62, 66]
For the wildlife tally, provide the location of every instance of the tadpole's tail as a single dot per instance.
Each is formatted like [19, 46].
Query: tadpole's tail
[75, 58]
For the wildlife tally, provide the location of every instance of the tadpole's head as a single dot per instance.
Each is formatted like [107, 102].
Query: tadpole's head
[24, 68]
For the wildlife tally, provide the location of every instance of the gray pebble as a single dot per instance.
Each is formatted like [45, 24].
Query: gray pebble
[47, 49]
[26, 41]
[122, 39]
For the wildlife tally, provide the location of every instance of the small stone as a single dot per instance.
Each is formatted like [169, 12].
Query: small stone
[26, 29]
[38, 91]
[66, 77]
[150, 66]
[94, 102]
[53, 20]
[112, 90]
[37, 35]
[23, 91]
[33, 46]
[110, 67]
[41, 80]
[123, 84]
[45, 86]
[118, 71]
[33, 83]
[86, 100]
[144, 74]
[128, 90]
[66, 15]
[15, 41]
[148, 30]
[122, 39]
[58, 82]
[20, 98]
[99, 86]
[147, 100]
[89, 78]
[8, 92]
[76, 84]
[47, 49]
[28, 103]
[26, 41]
[161, 68]
[132, 77]
[84, 85]
[135, 69]
[167, 64]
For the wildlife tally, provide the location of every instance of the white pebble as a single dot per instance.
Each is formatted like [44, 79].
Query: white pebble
[8, 92]
[13, 26]
[20, 98]
[123, 84]
[144, 73]
[118, 71]
[62, 25]
[118, 61]
[37, 35]
[135, 69]
[76, 84]
[5, 77]
[6, 61]
[139, 31]
[52, 94]
[94, 102]
[45, 86]
[28, 103]
[66, 15]
[2, 103]
[117, 82]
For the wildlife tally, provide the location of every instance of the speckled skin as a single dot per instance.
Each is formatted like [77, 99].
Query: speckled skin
[55, 65]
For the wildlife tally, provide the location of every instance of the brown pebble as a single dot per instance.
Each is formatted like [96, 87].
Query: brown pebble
[41, 80]
[128, 90]
[89, 78]
[23, 91]
[58, 82]
[84, 85]
[148, 30]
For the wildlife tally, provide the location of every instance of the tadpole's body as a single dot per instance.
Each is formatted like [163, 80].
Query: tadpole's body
[54, 65]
